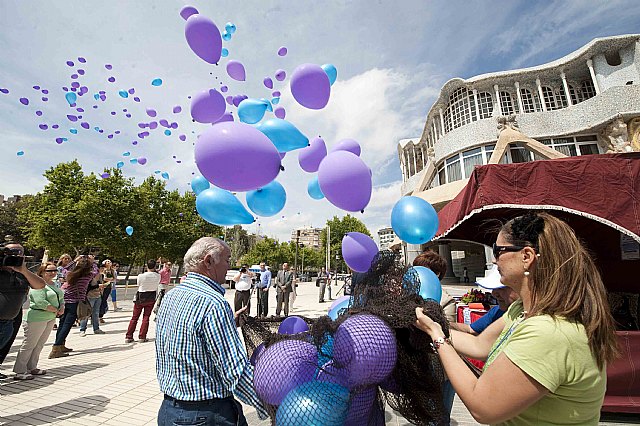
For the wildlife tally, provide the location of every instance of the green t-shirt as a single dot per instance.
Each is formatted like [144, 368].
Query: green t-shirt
[50, 295]
[555, 353]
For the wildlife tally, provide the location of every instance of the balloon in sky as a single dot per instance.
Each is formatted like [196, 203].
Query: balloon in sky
[203, 38]
[230, 27]
[358, 250]
[156, 82]
[207, 106]
[187, 11]
[310, 157]
[199, 184]
[284, 135]
[414, 220]
[281, 75]
[20, 153]
[282, 51]
[123, 94]
[331, 72]
[310, 86]
[313, 189]
[227, 116]
[129, 230]
[142, 161]
[221, 207]
[164, 175]
[236, 156]
[251, 111]
[268, 83]
[347, 145]
[280, 112]
[345, 180]
[151, 112]
[71, 97]
[236, 71]
[120, 164]
[268, 200]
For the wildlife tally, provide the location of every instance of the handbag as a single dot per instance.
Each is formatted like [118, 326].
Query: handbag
[144, 297]
[83, 311]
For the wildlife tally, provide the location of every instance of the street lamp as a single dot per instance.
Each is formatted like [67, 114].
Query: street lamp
[337, 261]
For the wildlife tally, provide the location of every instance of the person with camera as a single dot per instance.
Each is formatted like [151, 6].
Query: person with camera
[143, 302]
[242, 298]
[263, 290]
[44, 305]
[15, 281]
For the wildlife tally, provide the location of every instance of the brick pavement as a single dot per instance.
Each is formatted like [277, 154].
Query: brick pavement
[107, 382]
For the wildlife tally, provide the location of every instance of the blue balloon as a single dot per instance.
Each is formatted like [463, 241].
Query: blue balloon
[224, 52]
[430, 287]
[156, 82]
[334, 312]
[221, 207]
[269, 106]
[251, 111]
[167, 132]
[96, 96]
[120, 164]
[129, 230]
[331, 72]
[226, 35]
[71, 97]
[275, 100]
[314, 403]
[230, 27]
[325, 354]
[123, 94]
[284, 135]
[74, 131]
[414, 220]
[134, 161]
[199, 184]
[268, 200]
[313, 189]
[165, 175]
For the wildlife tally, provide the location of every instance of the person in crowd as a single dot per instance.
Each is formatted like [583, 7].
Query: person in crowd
[548, 353]
[165, 282]
[503, 294]
[64, 260]
[201, 361]
[108, 281]
[465, 274]
[284, 286]
[15, 282]
[114, 292]
[94, 297]
[79, 274]
[143, 302]
[242, 298]
[323, 279]
[44, 305]
[262, 290]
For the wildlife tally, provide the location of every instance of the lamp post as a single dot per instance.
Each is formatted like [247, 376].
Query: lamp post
[337, 261]
[295, 262]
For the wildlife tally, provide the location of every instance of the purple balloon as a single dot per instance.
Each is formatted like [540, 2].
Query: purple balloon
[350, 145]
[187, 11]
[239, 98]
[24, 101]
[236, 71]
[108, 66]
[276, 93]
[105, 176]
[282, 51]
[111, 79]
[358, 250]
[72, 118]
[132, 91]
[227, 116]
[182, 137]
[177, 109]
[281, 75]
[174, 125]
[151, 112]
[164, 123]
[224, 89]
[55, 126]
[203, 38]
[293, 325]
[282, 367]
[84, 125]
[268, 83]
[257, 352]
[361, 405]
[229, 99]
[81, 59]
[38, 113]
[43, 126]
[137, 99]
[310, 86]
[311, 156]
[142, 161]
[280, 112]
[207, 106]
[70, 63]
[338, 301]
[5, 91]
[153, 125]
[218, 149]
[345, 181]
[282, 155]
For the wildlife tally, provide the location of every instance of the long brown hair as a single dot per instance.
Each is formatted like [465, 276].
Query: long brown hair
[81, 269]
[43, 268]
[565, 281]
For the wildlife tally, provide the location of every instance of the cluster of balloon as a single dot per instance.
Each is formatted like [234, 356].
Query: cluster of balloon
[430, 286]
[358, 251]
[414, 220]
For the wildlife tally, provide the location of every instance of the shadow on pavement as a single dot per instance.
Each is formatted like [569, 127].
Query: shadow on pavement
[71, 409]
[14, 387]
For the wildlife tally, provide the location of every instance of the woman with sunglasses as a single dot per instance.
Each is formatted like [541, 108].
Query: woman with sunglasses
[548, 353]
[44, 305]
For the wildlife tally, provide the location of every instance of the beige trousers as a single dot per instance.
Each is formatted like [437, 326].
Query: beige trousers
[36, 335]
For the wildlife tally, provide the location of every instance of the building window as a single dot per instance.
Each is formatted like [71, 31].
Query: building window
[561, 98]
[549, 98]
[528, 104]
[519, 155]
[485, 102]
[471, 159]
[442, 177]
[565, 146]
[458, 110]
[576, 95]
[589, 149]
[588, 89]
[454, 172]
[507, 104]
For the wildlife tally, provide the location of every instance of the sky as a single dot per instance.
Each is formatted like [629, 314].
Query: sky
[392, 59]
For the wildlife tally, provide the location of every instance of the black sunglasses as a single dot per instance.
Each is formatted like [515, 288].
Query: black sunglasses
[498, 250]
[51, 270]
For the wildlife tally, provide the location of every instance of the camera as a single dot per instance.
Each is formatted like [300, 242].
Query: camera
[243, 269]
[11, 256]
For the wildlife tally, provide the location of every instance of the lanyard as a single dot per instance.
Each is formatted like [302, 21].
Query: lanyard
[516, 323]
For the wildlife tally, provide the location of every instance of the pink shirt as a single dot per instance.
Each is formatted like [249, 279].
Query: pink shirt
[165, 276]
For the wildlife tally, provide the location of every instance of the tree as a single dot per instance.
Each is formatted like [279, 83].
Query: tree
[340, 227]
[11, 222]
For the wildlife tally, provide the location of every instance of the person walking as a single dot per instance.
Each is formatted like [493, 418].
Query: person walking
[94, 297]
[201, 362]
[263, 290]
[242, 298]
[284, 286]
[321, 281]
[109, 282]
[165, 282]
[44, 305]
[143, 302]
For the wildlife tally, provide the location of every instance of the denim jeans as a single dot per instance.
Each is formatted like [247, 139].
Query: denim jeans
[448, 394]
[6, 330]
[4, 349]
[95, 303]
[218, 412]
[66, 322]
[104, 307]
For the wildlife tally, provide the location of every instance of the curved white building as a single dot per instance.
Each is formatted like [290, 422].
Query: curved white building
[587, 102]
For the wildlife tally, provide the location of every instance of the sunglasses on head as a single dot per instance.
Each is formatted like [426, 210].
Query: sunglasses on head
[498, 250]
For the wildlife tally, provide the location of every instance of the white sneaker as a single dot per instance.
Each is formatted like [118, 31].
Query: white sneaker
[23, 376]
[83, 333]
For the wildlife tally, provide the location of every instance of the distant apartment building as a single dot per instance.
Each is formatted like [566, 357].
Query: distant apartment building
[310, 237]
[5, 201]
[386, 237]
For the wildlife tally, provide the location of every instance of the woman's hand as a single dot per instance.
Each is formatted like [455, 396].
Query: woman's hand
[426, 324]
[51, 309]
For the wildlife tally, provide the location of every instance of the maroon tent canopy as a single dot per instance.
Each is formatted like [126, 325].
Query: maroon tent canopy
[597, 195]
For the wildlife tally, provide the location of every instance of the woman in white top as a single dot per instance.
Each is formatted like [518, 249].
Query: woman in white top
[144, 300]
[242, 298]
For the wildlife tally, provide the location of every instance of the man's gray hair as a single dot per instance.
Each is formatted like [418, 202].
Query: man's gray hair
[202, 247]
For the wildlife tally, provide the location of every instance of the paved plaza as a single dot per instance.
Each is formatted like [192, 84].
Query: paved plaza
[107, 382]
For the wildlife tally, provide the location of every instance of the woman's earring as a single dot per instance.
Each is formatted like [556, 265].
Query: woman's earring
[526, 273]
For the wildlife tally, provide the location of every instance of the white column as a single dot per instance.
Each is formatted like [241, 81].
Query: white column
[520, 104]
[403, 167]
[475, 100]
[441, 123]
[415, 165]
[593, 76]
[542, 102]
[566, 88]
[497, 92]
[423, 155]
[435, 131]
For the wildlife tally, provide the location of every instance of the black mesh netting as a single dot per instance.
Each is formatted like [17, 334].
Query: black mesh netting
[342, 372]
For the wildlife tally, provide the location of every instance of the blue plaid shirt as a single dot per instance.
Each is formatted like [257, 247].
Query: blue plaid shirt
[199, 354]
